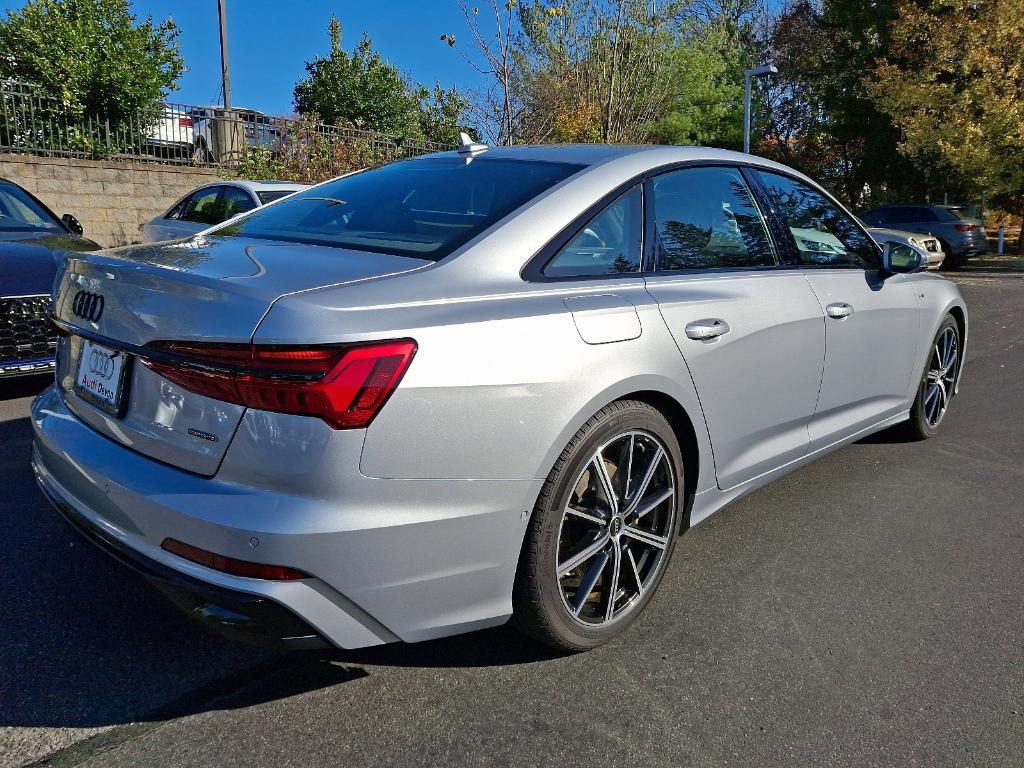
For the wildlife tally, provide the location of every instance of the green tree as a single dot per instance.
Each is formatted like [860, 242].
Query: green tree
[359, 89]
[713, 46]
[92, 55]
[953, 83]
[441, 114]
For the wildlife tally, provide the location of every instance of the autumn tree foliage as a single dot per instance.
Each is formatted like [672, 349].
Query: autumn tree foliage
[952, 81]
[666, 71]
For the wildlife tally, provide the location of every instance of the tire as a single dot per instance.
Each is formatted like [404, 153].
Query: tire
[201, 155]
[951, 263]
[925, 420]
[638, 531]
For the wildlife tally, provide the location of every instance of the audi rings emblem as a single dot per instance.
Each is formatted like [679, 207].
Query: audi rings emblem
[88, 306]
[101, 364]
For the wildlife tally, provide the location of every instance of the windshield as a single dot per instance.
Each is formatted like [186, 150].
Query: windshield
[424, 208]
[269, 197]
[19, 212]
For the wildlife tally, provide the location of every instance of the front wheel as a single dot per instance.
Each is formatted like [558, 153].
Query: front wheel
[602, 531]
[951, 263]
[937, 384]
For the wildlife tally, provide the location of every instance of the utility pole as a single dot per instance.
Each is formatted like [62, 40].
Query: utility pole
[225, 75]
[750, 74]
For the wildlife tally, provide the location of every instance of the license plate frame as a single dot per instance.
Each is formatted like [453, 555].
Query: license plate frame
[102, 367]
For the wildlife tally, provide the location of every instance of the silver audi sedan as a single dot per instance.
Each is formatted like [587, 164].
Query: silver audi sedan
[491, 383]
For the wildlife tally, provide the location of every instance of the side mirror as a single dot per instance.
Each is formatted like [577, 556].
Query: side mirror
[72, 223]
[900, 258]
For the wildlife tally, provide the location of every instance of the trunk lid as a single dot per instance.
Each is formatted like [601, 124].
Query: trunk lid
[211, 289]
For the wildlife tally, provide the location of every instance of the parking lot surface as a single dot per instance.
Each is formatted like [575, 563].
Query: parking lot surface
[867, 610]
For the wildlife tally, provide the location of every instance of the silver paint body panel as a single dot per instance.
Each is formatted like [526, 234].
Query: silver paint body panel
[412, 528]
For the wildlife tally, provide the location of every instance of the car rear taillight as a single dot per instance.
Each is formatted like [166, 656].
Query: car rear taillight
[185, 122]
[966, 227]
[345, 386]
[231, 565]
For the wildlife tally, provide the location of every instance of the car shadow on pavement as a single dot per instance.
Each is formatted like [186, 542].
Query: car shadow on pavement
[84, 642]
[894, 435]
[498, 646]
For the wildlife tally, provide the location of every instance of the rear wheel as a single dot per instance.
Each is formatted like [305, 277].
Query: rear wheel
[936, 388]
[602, 531]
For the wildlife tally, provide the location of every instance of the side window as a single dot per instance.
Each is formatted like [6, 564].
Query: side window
[921, 214]
[610, 243]
[178, 209]
[235, 201]
[201, 207]
[706, 218]
[876, 218]
[824, 234]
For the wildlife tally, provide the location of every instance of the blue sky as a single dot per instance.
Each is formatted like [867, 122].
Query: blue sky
[268, 41]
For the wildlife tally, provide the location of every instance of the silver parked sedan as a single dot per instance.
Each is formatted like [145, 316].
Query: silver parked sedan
[491, 383]
[930, 246]
[213, 204]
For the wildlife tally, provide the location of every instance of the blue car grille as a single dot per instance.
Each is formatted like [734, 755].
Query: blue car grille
[27, 339]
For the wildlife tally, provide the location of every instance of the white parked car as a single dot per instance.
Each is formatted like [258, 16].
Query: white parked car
[926, 244]
[212, 204]
[172, 137]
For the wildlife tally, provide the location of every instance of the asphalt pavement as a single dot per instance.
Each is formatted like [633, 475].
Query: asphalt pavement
[867, 610]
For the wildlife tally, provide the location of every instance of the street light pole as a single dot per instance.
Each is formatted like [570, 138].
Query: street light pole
[224, 74]
[749, 75]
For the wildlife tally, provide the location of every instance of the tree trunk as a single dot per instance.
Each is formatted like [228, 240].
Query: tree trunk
[1020, 238]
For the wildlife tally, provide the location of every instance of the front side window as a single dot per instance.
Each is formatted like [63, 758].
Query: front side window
[706, 218]
[425, 208]
[825, 235]
[201, 207]
[610, 243]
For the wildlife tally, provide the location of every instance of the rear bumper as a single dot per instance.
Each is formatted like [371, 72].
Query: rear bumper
[965, 250]
[391, 559]
[238, 614]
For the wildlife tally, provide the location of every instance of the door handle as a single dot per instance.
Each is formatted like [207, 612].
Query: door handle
[839, 310]
[707, 329]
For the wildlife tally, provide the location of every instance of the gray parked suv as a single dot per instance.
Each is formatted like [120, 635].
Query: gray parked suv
[961, 236]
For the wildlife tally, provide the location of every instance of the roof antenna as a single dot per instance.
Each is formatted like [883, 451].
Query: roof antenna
[470, 147]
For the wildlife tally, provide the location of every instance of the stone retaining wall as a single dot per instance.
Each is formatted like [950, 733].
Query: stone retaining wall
[110, 199]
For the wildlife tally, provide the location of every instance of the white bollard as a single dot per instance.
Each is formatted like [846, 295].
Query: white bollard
[1002, 238]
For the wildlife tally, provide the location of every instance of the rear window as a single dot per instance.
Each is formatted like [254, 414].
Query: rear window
[424, 208]
[269, 197]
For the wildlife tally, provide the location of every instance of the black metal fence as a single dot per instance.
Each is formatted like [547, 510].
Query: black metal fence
[37, 123]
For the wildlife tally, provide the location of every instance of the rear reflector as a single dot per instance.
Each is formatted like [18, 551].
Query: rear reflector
[230, 564]
[345, 386]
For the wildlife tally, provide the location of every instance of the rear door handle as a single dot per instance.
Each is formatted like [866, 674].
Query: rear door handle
[709, 328]
[839, 310]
